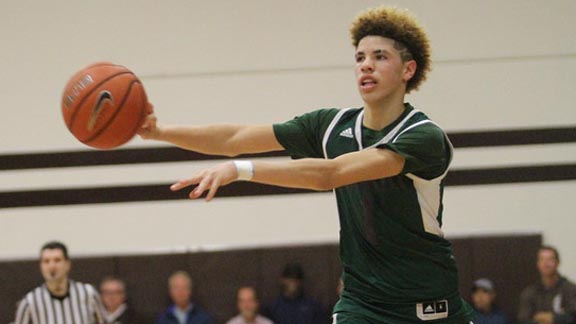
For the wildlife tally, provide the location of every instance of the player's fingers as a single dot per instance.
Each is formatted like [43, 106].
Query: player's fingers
[185, 183]
[149, 122]
[180, 184]
[213, 189]
[149, 108]
[202, 186]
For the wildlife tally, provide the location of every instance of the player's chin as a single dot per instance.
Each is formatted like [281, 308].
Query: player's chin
[371, 97]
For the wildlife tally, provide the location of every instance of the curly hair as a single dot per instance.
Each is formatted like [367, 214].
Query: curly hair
[400, 26]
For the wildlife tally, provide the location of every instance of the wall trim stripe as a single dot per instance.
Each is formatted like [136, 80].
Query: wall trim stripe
[514, 137]
[172, 154]
[158, 192]
[517, 174]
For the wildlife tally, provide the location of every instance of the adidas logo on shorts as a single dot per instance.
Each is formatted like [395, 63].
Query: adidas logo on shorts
[432, 310]
[347, 133]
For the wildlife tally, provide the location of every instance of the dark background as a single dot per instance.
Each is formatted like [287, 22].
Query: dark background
[508, 260]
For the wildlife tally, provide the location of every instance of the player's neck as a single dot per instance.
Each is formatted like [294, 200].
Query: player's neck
[380, 114]
[58, 288]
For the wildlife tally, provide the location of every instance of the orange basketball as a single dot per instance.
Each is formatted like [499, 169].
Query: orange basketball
[104, 105]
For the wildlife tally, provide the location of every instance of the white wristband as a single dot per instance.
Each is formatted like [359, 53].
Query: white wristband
[245, 170]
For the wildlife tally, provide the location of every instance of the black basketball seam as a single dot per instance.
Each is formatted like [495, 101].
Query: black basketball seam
[75, 112]
[111, 119]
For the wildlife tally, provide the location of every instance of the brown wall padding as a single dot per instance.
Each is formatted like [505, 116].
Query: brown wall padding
[507, 260]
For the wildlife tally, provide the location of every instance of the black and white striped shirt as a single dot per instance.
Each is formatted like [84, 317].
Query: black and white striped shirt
[81, 305]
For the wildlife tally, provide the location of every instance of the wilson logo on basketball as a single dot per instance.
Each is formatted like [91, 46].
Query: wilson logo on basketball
[104, 96]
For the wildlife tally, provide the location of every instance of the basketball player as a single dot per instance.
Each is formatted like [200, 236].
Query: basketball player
[386, 161]
[59, 300]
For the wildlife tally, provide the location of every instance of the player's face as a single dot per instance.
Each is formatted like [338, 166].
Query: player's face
[113, 294]
[180, 291]
[53, 265]
[380, 72]
[547, 263]
[247, 303]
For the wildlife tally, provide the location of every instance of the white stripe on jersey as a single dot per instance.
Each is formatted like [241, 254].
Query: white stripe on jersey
[428, 191]
[58, 310]
[32, 309]
[40, 304]
[96, 308]
[48, 307]
[67, 311]
[81, 306]
[23, 312]
[330, 128]
[75, 301]
[358, 129]
[82, 296]
[425, 121]
[387, 137]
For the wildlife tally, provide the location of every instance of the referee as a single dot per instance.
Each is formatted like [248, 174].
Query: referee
[59, 300]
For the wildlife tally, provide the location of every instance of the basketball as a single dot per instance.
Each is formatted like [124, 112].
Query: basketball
[104, 105]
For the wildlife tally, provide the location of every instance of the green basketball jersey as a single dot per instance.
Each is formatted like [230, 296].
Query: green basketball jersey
[397, 267]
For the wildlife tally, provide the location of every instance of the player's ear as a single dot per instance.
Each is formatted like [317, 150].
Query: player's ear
[409, 70]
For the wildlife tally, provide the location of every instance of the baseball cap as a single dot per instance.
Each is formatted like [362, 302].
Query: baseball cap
[293, 271]
[484, 284]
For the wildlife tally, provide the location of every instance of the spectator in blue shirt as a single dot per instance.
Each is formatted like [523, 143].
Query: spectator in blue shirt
[183, 311]
[486, 311]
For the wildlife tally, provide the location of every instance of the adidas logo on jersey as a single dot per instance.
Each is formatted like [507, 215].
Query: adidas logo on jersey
[432, 310]
[347, 133]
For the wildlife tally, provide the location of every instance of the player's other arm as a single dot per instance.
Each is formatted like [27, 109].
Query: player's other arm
[221, 139]
[321, 174]
[315, 174]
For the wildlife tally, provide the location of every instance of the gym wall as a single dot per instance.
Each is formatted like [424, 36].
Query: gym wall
[503, 75]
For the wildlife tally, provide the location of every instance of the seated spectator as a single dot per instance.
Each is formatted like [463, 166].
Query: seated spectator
[292, 306]
[553, 298]
[183, 310]
[247, 302]
[486, 311]
[113, 295]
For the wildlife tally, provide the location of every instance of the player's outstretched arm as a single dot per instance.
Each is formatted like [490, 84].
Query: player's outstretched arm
[222, 139]
[315, 174]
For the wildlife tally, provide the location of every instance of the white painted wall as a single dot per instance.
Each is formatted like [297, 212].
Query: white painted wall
[498, 64]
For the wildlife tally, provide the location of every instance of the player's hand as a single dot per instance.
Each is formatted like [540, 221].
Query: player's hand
[210, 179]
[149, 128]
